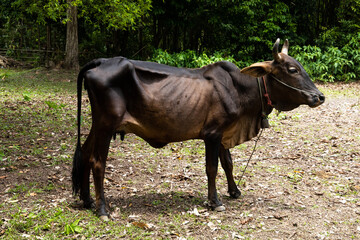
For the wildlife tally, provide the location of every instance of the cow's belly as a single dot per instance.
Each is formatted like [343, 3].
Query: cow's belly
[160, 130]
[170, 111]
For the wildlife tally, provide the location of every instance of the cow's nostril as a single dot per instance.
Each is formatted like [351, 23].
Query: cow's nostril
[322, 98]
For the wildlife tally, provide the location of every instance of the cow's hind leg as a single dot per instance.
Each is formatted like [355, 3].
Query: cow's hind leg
[212, 153]
[98, 164]
[227, 165]
[85, 183]
[81, 171]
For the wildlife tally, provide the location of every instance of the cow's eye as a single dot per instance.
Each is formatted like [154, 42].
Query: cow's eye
[292, 70]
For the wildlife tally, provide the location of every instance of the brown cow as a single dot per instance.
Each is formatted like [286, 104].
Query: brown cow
[217, 103]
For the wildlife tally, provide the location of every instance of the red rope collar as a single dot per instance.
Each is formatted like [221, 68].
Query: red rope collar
[266, 94]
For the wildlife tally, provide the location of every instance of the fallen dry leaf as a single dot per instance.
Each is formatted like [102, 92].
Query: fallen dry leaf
[141, 225]
[355, 188]
[279, 217]
[194, 212]
[323, 174]
[245, 221]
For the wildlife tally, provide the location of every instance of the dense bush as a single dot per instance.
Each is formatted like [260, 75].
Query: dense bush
[332, 63]
[326, 64]
[191, 59]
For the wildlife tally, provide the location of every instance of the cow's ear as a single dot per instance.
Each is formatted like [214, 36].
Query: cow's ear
[258, 69]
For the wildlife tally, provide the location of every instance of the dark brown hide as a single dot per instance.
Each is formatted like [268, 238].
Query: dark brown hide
[162, 104]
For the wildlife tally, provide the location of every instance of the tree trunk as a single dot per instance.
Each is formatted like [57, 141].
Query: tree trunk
[48, 43]
[72, 44]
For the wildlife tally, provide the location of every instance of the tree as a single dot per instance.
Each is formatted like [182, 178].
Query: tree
[244, 28]
[113, 14]
[72, 41]
[110, 14]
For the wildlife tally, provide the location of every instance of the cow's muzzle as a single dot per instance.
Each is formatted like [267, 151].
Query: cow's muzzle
[316, 99]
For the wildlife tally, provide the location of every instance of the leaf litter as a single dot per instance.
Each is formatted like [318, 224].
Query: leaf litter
[303, 181]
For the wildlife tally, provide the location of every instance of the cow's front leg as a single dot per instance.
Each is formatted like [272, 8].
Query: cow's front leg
[227, 165]
[99, 172]
[212, 147]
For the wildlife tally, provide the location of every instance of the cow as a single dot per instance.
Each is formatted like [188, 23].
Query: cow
[218, 103]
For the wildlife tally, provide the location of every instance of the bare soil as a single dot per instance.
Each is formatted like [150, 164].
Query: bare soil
[302, 183]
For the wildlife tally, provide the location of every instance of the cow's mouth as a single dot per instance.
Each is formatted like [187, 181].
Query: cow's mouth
[312, 100]
[316, 100]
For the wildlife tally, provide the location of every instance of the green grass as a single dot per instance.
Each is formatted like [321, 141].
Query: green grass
[38, 130]
[60, 222]
[32, 106]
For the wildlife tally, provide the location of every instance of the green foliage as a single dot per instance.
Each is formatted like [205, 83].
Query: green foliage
[183, 59]
[349, 10]
[37, 9]
[73, 228]
[26, 97]
[112, 13]
[246, 29]
[54, 105]
[39, 24]
[43, 221]
[118, 14]
[2, 155]
[331, 63]
[340, 35]
[190, 59]
[199, 31]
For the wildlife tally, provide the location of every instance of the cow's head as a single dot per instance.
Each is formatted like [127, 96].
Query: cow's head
[288, 83]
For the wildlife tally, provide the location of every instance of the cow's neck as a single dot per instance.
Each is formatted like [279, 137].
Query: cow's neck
[254, 108]
[259, 90]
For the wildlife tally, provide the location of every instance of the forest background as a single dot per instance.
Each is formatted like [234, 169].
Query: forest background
[324, 34]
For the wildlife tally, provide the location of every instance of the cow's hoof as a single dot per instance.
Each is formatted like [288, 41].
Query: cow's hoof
[89, 204]
[220, 208]
[104, 218]
[235, 194]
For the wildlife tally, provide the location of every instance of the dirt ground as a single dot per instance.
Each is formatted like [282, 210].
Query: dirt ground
[302, 183]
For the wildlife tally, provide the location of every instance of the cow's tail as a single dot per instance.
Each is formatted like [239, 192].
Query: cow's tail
[78, 164]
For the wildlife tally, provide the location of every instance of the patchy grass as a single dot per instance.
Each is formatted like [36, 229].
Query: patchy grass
[303, 181]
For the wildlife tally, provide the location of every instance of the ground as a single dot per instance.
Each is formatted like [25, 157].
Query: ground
[303, 181]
